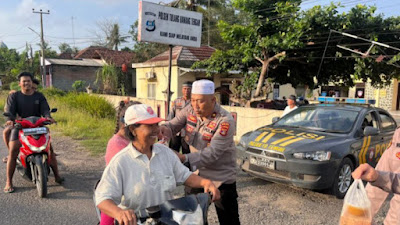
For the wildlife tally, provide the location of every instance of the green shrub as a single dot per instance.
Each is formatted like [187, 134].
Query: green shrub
[93, 105]
[14, 86]
[92, 132]
[52, 92]
[79, 85]
[3, 99]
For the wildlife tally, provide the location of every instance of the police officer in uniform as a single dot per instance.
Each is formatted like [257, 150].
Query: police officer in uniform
[178, 140]
[389, 162]
[209, 133]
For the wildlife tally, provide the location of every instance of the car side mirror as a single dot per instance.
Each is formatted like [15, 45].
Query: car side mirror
[275, 119]
[53, 110]
[370, 131]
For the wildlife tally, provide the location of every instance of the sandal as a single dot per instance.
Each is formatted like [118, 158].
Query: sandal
[8, 190]
[5, 159]
[60, 180]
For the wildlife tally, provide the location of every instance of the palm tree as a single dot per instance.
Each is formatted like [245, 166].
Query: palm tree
[115, 39]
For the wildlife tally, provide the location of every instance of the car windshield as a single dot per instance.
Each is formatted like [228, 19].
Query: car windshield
[330, 120]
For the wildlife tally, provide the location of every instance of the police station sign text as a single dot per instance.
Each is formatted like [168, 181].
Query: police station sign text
[169, 25]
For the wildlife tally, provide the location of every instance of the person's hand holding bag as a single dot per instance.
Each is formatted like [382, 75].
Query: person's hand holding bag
[356, 206]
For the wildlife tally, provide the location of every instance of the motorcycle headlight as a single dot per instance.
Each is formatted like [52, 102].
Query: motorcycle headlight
[33, 148]
[317, 156]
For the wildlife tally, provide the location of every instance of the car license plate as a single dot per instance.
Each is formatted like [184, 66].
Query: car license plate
[33, 131]
[258, 161]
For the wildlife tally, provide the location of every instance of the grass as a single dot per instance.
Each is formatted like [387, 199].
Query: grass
[87, 119]
[3, 99]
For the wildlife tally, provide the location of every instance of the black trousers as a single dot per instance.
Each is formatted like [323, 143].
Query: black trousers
[177, 142]
[227, 208]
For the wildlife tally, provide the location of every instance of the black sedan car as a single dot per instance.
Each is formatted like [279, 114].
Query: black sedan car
[317, 146]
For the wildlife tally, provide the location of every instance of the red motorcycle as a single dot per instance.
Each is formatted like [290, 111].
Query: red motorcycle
[34, 155]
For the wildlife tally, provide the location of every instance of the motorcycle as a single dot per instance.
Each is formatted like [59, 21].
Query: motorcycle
[188, 210]
[34, 154]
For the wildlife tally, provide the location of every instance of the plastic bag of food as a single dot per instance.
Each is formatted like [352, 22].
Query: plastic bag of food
[356, 206]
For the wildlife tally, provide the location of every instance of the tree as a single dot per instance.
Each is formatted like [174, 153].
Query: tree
[108, 34]
[259, 40]
[111, 80]
[65, 48]
[286, 45]
[115, 39]
[144, 50]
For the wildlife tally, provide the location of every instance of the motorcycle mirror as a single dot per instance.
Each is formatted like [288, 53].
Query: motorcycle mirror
[53, 110]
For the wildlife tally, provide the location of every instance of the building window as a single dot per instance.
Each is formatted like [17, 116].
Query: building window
[151, 91]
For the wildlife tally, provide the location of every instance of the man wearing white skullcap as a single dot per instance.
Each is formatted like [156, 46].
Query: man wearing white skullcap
[209, 133]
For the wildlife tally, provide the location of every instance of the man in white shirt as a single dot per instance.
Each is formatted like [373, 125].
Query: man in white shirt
[291, 101]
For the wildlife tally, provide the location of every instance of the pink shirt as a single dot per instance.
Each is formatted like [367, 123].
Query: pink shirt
[115, 144]
[389, 162]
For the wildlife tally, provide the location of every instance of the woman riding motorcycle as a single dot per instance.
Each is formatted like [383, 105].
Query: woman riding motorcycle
[145, 173]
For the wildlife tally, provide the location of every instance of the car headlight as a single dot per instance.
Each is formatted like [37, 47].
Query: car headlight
[242, 144]
[317, 156]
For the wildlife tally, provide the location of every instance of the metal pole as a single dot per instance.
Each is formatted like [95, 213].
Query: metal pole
[43, 55]
[208, 27]
[323, 55]
[42, 43]
[73, 33]
[169, 79]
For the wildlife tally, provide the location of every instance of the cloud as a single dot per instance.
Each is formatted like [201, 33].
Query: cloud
[24, 9]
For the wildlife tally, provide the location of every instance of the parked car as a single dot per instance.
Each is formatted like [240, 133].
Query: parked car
[317, 146]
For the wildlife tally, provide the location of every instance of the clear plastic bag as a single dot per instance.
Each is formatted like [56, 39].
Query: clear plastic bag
[356, 206]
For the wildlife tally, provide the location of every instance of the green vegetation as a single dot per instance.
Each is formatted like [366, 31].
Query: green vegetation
[282, 44]
[15, 86]
[79, 85]
[86, 118]
[111, 80]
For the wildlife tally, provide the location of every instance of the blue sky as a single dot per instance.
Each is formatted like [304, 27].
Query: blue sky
[16, 18]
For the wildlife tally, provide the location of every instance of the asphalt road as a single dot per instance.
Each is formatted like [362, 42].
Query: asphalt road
[70, 203]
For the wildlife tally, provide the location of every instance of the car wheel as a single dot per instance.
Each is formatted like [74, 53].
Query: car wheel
[343, 178]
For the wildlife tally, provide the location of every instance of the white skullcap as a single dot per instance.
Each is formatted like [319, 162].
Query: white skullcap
[203, 87]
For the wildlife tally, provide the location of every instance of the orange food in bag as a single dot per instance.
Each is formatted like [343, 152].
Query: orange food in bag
[355, 216]
[356, 206]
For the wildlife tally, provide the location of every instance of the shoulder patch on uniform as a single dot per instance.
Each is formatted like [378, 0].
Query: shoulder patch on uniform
[398, 155]
[212, 125]
[224, 128]
[207, 136]
[192, 118]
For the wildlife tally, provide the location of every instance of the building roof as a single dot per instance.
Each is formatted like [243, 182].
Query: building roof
[2, 44]
[89, 53]
[180, 56]
[75, 62]
[65, 55]
[109, 56]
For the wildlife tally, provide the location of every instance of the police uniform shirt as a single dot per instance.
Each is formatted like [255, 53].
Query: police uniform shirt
[213, 151]
[177, 106]
[389, 162]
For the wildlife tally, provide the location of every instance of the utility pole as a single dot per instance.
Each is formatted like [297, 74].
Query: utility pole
[208, 27]
[42, 45]
[73, 33]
